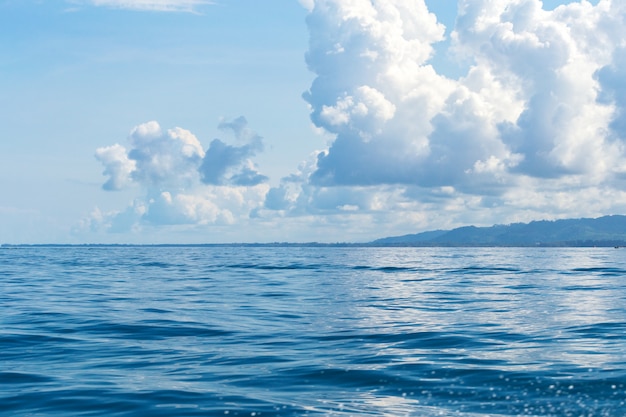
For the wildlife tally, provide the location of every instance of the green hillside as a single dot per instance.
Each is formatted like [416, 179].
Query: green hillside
[603, 231]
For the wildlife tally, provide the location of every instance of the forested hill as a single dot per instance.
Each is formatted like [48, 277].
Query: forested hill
[603, 231]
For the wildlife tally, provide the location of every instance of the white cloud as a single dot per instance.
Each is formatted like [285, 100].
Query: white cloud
[535, 128]
[175, 159]
[230, 164]
[164, 159]
[549, 64]
[529, 99]
[117, 165]
[201, 207]
[543, 98]
[307, 4]
[365, 112]
[213, 205]
[154, 5]
[180, 182]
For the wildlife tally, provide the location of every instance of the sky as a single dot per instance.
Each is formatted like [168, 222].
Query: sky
[191, 121]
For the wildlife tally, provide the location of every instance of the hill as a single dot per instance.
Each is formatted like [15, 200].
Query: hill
[602, 231]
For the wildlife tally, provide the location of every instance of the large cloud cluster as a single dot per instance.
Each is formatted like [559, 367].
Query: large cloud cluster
[534, 128]
[528, 106]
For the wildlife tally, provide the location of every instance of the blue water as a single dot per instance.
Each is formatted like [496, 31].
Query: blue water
[271, 331]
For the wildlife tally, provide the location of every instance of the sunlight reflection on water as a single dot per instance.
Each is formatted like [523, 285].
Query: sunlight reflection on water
[327, 331]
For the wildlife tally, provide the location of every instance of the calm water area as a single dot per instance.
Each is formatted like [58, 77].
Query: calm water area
[320, 331]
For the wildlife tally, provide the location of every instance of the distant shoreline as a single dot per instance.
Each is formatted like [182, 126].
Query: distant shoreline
[615, 245]
[606, 231]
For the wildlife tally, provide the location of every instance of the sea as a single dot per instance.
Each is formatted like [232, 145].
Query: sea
[312, 331]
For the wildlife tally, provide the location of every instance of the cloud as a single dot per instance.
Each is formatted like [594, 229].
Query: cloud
[613, 91]
[549, 64]
[164, 159]
[229, 164]
[175, 159]
[534, 128]
[156, 158]
[210, 205]
[373, 88]
[180, 182]
[307, 4]
[153, 5]
[528, 106]
[117, 166]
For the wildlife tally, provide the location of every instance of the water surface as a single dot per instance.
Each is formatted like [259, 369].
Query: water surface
[285, 331]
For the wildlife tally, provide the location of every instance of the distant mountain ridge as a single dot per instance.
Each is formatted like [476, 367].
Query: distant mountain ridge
[602, 231]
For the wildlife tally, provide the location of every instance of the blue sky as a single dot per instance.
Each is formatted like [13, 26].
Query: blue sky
[151, 121]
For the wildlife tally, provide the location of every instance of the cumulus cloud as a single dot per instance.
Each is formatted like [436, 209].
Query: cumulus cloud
[211, 205]
[164, 159]
[231, 164]
[374, 89]
[534, 126]
[155, 159]
[175, 158]
[180, 182]
[549, 60]
[613, 92]
[542, 98]
[118, 166]
[154, 5]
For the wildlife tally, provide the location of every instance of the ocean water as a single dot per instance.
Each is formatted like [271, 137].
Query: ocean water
[290, 331]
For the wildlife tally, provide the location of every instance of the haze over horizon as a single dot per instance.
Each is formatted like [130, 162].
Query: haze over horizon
[190, 121]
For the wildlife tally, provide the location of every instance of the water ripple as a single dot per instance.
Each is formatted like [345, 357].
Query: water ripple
[202, 331]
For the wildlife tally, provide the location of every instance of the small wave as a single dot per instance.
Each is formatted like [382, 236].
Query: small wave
[287, 267]
[481, 270]
[156, 264]
[22, 378]
[603, 271]
[605, 331]
[391, 269]
[152, 330]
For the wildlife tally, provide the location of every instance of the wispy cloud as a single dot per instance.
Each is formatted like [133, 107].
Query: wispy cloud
[154, 5]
